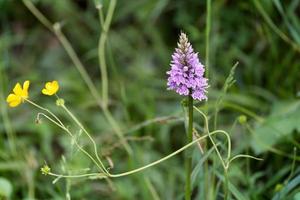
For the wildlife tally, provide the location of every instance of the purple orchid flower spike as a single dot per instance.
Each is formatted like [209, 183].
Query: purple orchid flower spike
[186, 76]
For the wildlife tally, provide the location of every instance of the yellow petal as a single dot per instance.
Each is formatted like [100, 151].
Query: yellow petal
[45, 91]
[48, 85]
[13, 100]
[18, 89]
[26, 85]
[10, 97]
[14, 103]
[50, 88]
[55, 86]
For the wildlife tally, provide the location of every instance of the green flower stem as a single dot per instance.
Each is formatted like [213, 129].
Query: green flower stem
[164, 158]
[48, 111]
[87, 133]
[188, 158]
[213, 142]
[62, 126]
[168, 156]
[207, 37]
[207, 71]
[76, 176]
[226, 190]
[101, 49]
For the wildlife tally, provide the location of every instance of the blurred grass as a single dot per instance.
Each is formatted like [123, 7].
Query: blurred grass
[262, 35]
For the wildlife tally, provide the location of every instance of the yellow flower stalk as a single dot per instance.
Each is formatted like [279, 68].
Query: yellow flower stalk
[19, 94]
[51, 88]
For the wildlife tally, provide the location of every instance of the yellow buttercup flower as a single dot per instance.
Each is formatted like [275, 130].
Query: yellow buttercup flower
[18, 95]
[50, 88]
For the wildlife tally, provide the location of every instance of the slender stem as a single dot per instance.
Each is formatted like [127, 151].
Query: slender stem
[207, 36]
[50, 119]
[212, 141]
[101, 50]
[38, 14]
[62, 126]
[207, 70]
[87, 133]
[164, 158]
[206, 183]
[226, 193]
[75, 176]
[188, 158]
[45, 109]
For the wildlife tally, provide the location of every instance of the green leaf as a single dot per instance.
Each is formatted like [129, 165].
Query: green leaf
[5, 188]
[282, 121]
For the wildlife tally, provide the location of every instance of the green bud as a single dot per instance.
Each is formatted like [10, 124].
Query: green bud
[242, 119]
[45, 170]
[60, 102]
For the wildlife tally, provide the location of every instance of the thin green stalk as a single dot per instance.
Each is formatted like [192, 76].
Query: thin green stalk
[207, 70]
[101, 49]
[188, 156]
[226, 193]
[75, 176]
[212, 141]
[38, 14]
[87, 133]
[45, 109]
[62, 126]
[207, 37]
[166, 157]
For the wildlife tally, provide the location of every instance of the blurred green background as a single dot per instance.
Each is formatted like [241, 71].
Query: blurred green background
[263, 36]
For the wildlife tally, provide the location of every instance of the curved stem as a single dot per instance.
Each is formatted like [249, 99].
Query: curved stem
[87, 133]
[45, 109]
[50, 119]
[62, 126]
[211, 139]
[241, 156]
[157, 161]
[164, 158]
